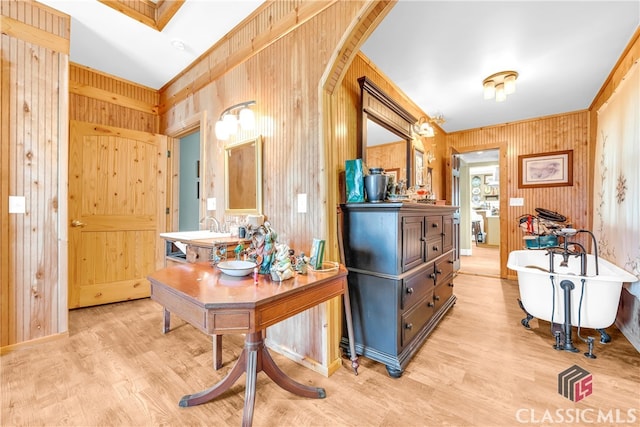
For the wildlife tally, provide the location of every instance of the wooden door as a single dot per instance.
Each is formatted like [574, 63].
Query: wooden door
[117, 187]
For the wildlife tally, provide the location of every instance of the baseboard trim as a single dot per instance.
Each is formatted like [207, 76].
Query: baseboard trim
[314, 365]
[32, 343]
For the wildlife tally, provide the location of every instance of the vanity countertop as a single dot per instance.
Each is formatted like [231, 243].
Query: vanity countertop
[202, 238]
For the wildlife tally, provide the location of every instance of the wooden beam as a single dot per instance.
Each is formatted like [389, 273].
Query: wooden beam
[103, 95]
[33, 35]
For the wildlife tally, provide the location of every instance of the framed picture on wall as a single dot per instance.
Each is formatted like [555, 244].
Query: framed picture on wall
[392, 174]
[429, 180]
[418, 162]
[553, 169]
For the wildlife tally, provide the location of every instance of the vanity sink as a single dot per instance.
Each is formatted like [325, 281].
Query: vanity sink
[194, 235]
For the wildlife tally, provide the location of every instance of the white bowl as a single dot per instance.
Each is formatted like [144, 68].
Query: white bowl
[237, 268]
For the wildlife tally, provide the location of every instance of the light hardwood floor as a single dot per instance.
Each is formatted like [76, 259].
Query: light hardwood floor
[479, 367]
[483, 261]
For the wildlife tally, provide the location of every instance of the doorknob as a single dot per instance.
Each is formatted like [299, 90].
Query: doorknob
[77, 223]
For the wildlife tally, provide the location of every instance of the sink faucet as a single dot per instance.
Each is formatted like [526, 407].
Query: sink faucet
[215, 225]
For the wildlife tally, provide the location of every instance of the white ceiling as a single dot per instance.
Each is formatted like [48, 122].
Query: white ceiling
[437, 52]
[109, 41]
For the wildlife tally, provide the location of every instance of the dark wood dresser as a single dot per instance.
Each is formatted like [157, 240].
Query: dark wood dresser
[400, 260]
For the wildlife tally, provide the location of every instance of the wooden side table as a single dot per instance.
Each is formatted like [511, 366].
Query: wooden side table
[218, 304]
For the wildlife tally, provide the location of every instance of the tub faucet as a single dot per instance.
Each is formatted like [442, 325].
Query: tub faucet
[595, 248]
[566, 252]
[583, 258]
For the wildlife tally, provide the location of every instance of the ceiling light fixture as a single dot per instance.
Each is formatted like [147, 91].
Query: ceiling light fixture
[229, 120]
[178, 44]
[499, 85]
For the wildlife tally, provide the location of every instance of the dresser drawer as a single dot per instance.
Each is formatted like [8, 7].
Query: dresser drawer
[433, 226]
[433, 248]
[416, 286]
[444, 267]
[443, 292]
[418, 316]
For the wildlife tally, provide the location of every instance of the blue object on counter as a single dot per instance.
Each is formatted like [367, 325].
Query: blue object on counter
[539, 242]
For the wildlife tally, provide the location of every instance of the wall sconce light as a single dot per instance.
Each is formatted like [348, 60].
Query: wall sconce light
[499, 85]
[423, 126]
[239, 114]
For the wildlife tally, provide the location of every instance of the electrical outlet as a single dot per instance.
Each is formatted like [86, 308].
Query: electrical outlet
[516, 201]
[302, 203]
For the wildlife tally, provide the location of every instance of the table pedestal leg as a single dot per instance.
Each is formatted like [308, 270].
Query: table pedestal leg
[268, 365]
[217, 351]
[254, 358]
[166, 321]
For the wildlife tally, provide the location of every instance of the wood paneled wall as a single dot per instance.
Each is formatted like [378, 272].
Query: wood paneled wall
[560, 132]
[99, 98]
[34, 75]
[277, 58]
[282, 75]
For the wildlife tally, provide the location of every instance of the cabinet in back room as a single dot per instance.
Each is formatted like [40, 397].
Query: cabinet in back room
[400, 261]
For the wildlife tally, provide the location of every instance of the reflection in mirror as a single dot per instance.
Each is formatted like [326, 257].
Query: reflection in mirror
[386, 149]
[243, 177]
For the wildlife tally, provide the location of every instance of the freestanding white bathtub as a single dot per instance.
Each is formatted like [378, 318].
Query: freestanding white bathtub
[594, 298]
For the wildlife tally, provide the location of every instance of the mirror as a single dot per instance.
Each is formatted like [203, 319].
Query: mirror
[385, 132]
[385, 149]
[243, 177]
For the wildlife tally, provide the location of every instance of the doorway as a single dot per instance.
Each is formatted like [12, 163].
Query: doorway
[480, 213]
[190, 185]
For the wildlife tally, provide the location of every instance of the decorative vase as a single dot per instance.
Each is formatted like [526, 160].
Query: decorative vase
[375, 184]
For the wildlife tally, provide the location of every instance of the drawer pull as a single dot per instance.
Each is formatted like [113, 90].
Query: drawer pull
[408, 326]
[438, 271]
[434, 225]
[430, 304]
[435, 248]
[437, 297]
[432, 275]
[409, 290]
[451, 284]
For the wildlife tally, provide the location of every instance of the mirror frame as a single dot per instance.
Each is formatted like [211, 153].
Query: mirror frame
[257, 179]
[377, 106]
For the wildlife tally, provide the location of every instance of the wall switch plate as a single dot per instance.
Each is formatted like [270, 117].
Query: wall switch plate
[17, 204]
[211, 204]
[516, 201]
[302, 203]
